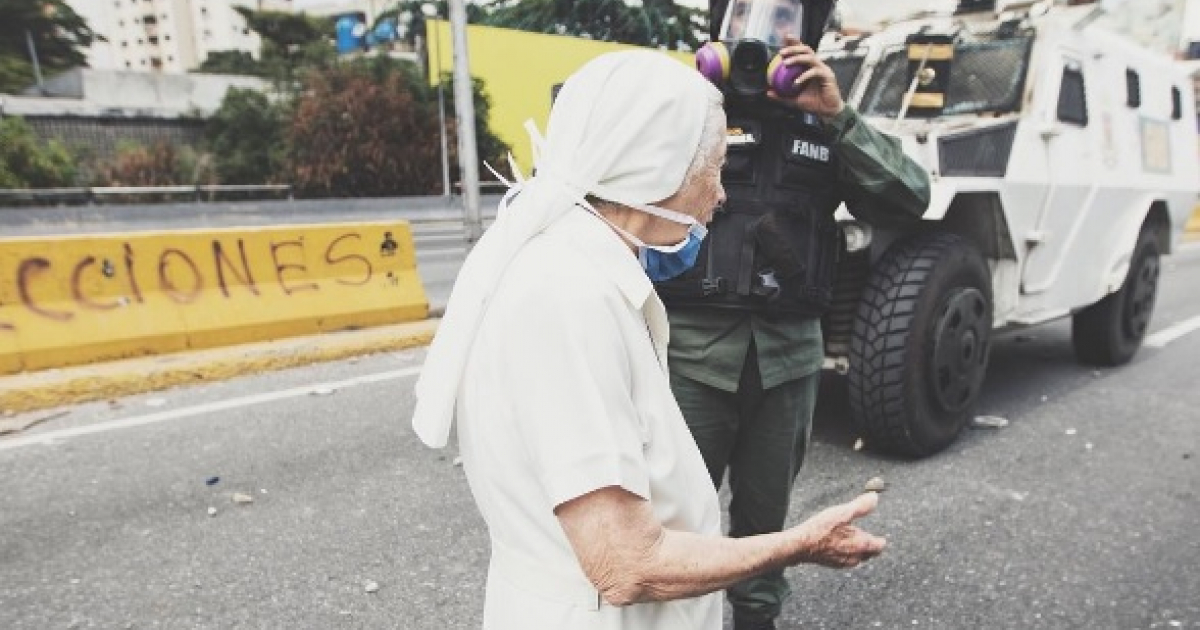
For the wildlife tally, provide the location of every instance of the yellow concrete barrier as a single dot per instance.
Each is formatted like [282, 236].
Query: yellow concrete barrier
[72, 300]
[1192, 231]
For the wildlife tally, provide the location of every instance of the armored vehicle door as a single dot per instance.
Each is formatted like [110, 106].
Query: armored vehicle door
[1071, 158]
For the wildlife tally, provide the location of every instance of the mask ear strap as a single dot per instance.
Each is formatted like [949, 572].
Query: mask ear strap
[663, 213]
[516, 170]
[631, 239]
[514, 186]
[503, 180]
[537, 141]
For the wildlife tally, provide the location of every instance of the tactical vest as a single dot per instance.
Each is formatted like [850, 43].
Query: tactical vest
[774, 247]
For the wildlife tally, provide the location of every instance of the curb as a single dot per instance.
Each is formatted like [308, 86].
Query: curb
[57, 387]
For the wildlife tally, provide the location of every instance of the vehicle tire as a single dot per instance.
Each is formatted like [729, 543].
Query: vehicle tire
[1109, 332]
[921, 342]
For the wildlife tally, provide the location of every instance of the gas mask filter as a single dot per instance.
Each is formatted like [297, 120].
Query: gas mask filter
[745, 60]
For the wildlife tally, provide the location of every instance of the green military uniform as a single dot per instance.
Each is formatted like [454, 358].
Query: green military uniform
[747, 383]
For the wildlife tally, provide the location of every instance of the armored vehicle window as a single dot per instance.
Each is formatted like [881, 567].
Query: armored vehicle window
[1133, 88]
[1176, 103]
[985, 76]
[845, 70]
[1072, 98]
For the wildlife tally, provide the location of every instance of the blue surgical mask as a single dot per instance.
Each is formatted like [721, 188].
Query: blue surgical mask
[663, 262]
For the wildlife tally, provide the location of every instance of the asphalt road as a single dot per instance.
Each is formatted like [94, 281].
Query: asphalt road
[441, 248]
[1081, 513]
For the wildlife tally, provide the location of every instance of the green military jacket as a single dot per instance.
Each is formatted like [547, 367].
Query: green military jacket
[709, 345]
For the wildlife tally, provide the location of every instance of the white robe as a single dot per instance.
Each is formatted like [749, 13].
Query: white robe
[566, 392]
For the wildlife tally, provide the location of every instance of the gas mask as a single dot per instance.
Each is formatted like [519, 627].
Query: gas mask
[745, 61]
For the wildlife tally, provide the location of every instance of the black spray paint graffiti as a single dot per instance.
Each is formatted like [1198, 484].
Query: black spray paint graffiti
[182, 279]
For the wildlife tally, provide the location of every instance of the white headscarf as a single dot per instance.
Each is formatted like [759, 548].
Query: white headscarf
[625, 128]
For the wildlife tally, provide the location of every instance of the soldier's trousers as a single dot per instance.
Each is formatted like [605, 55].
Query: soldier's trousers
[761, 437]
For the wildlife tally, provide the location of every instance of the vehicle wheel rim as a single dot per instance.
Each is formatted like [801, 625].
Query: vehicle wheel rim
[1140, 301]
[960, 350]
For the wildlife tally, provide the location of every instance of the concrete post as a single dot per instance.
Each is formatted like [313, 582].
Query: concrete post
[464, 106]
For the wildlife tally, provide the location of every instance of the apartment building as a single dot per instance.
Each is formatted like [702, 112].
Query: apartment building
[168, 35]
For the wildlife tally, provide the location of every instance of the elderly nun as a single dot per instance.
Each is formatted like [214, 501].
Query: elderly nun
[550, 361]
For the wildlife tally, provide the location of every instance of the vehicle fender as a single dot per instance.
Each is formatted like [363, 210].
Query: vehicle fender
[941, 197]
[943, 191]
[1127, 231]
[941, 194]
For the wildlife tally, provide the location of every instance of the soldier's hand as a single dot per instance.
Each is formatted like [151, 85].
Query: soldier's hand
[819, 93]
[831, 539]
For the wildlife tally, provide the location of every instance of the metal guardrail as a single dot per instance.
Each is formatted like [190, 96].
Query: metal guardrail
[430, 211]
[498, 188]
[200, 192]
[94, 194]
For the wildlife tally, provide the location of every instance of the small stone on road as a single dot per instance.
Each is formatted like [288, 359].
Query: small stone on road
[989, 422]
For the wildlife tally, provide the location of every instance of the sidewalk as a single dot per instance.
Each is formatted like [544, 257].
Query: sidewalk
[53, 388]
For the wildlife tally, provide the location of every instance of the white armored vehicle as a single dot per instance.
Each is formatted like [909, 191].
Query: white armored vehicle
[1063, 162]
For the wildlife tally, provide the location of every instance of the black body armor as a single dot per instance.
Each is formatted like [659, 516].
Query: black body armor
[773, 248]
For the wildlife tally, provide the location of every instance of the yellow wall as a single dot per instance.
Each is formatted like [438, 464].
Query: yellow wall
[519, 69]
[78, 299]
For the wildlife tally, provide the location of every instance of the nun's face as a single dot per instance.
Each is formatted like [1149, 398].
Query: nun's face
[700, 197]
[704, 194]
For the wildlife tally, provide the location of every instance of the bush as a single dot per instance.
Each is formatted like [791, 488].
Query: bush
[363, 130]
[369, 128]
[27, 162]
[245, 137]
[160, 164]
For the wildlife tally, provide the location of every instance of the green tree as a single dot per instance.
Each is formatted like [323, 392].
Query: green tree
[489, 146]
[231, 62]
[27, 162]
[291, 43]
[59, 35]
[657, 23]
[414, 10]
[245, 136]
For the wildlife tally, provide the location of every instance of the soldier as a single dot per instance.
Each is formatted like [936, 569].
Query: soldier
[746, 348]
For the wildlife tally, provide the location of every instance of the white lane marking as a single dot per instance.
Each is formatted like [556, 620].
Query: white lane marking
[51, 437]
[1186, 251]
[1163, 337]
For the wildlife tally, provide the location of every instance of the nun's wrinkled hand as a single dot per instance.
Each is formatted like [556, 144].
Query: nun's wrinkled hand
[830, 538]
[819, 93]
